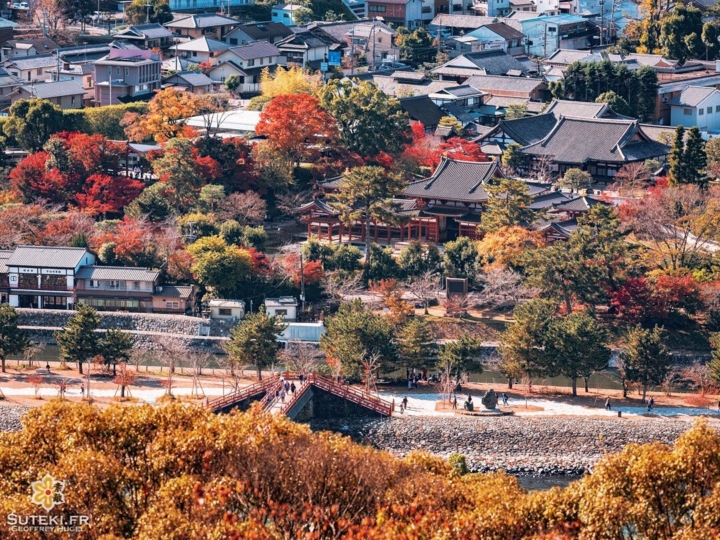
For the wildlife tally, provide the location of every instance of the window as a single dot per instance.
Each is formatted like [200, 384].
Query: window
[39, 71]
[687, 112]
[717, 108]
[136, 285]
[427, 9]
[127, 71]
[117, 71]
[194, 53]
[709, 110]
[377, 9]
[172, 305]
[113, 284]
[225, 312]
[701, 111]
[251, 63]
[72, 100]
[233, 41]
[282, 312]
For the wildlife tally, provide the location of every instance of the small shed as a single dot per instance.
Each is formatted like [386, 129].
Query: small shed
[285, 306]
[229, 310]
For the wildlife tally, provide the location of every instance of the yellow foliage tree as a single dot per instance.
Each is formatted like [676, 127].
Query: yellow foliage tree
[505, 246]
[292, 80]
[166, 117]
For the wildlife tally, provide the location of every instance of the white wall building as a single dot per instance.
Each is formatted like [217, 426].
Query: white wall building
[696, 106]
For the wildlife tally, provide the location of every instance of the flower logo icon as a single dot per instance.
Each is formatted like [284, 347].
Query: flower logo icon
[48, 492]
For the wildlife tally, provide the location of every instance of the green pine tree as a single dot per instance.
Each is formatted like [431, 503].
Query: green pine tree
[78, 341]
[254, 341]
[508, 204]
[695, 159]
[676, 159]
[12, 339]
[415, 345]
[646, 358]
[115, 347]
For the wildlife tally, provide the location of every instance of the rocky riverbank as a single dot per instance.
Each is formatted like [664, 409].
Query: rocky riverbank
[533, 446]
[10, 417]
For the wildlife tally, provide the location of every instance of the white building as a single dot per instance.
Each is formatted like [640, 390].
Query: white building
[696, 106]
[228, 310]
[285, 14]
[44, 277]
[286, 306]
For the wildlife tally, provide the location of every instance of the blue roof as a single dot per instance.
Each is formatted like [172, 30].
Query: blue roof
[557, 19]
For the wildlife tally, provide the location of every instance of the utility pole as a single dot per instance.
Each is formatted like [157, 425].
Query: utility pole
[602, 21]
[147, 11]
[302, 284]
[372, 33]
[352, 51]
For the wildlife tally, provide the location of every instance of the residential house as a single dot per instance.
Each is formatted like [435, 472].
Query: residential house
[32, 68]
[599, 146]
[8, 85]
[201, 50]
[187, 5]
[463, 96]
[64, 94]
[501, 92]
[285, 307]
[209, 24]
[463, 24]
[247, 62]
[269, 31]
[177, 299]
[546, 34]
[696, 106]
[374, 40]
[406, 83]
[116, 288]
[192, 81]
[125, 76]
[44, 277]
[486, 62]
[422, 109]
[82, 74]
[228, 310]
[285, 13]
[493, 36]
[147, 36]
[308, 48]
[4, 282]
[492, 8]
[406, 13]
[15, 48]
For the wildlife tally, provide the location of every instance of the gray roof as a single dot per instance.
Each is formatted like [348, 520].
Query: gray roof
[548, 200]
[47, 90]
[34, 62]
[488, 83]
[202, 21]
[119, 273]
[580, 204]
[463, 91]
[422, 109]
[578, 140]
[4, 256]
[175, 291]
[576, 109]
[258, 49]
[193, 78]
[455, 180]
[203, 44]
[147, 31]
[692, 96]
[47, 257]
[495, 62]
[529, 129]
[267, 31]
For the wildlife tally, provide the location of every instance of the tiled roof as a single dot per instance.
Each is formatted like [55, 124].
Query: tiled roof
[308, 40]
[495, 62]
[46, 257]
[548, 200]
[203, 44]
[148, 31]
[390, 85]
[464, 90]
[692, 96]
[55, 89]
[34, 62]
[120, 273]
[578, 140]
[4, 256]
[257, 49]
[455, 180]
[488, 83]
[658, 133]
[267, 31]
[193, 78]
[207, 20]
[576, 109]
[175, 291]
[579, 204]
[565, 228]
[422, 109]
[529, 129]
[504, 30]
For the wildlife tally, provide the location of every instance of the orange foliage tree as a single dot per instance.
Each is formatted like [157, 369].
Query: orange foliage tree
[295, 123]
[166, 117]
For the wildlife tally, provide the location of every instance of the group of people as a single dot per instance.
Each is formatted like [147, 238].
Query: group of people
[286, 388]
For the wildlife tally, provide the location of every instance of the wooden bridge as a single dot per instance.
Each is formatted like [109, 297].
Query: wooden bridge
[266, 392]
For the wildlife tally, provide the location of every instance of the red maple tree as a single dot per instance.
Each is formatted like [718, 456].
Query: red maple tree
[104, 194]
[295, 123]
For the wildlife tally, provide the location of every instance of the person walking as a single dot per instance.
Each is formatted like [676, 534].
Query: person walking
[405, 402]
[409, 383]
[282, 396]
[292, 388]
[454, 406]
[82, 390]
[505, 399]
[608, 407]
[651, 403]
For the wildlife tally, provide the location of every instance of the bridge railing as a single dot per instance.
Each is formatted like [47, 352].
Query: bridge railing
[243, 393]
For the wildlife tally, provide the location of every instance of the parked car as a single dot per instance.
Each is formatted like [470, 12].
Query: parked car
[391, 65]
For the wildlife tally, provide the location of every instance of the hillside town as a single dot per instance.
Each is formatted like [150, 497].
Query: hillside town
[478, 239]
